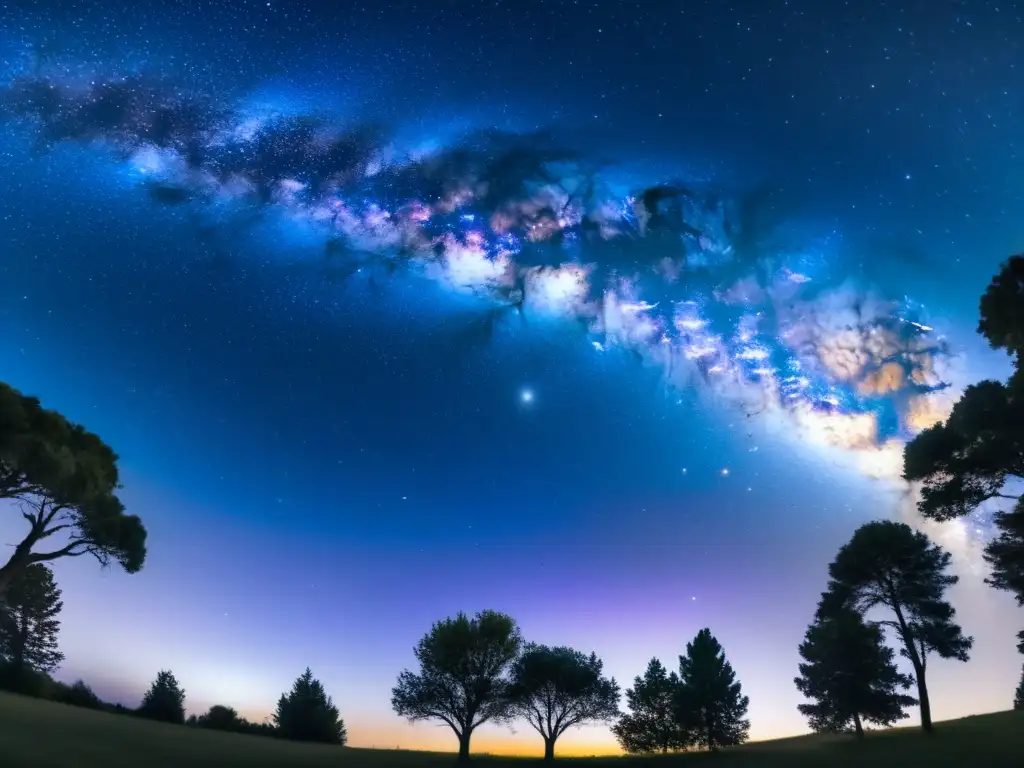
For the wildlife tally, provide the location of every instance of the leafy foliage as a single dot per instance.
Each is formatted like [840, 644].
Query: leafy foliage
[221, 718]
[554, 689]
[968, 459]
[978, 454]
[651, 726]
[710, 703]
[164, 701]
[463, 674]
[849, 673]
[890, 565]
[65, 480]
[1002, 307]
[29, 624]
[307, 713]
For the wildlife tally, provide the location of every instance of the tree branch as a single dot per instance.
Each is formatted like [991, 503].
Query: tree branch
[68, 551]
[55, 529]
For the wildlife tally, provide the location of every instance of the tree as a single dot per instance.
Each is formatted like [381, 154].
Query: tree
[164, 701]
[307, 713]
[221, 718]
[1002, 308]
[29, 625]
[849, 672]
[1018, 698]
[651, 724]
[889, 565]
[463, 674]
[977, 454]
[64, 480]
[710, 703]
[554, 689]
[79, 694]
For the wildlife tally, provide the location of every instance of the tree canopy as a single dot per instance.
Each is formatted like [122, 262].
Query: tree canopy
[849, 673]
[463, 678]
[651, 725]
[977, 454]
[889, 565]
[554, 689]
[1002, 308]
[307, 713]
[165, 700]
[710, 702]
[64, 480]
[221, 718]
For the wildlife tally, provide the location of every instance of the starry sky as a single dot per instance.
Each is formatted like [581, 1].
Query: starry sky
[375, 303]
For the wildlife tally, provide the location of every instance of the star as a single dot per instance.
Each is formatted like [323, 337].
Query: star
[725, 472]
[526, 396]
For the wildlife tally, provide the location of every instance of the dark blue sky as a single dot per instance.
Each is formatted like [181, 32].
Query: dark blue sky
[328, 462]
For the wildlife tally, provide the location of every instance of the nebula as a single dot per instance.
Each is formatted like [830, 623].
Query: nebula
[688, 279]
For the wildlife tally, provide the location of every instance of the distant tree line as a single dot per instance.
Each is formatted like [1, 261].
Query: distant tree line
[478, 670]
[887, 584]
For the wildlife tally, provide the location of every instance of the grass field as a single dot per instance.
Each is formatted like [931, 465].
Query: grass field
[42, 734]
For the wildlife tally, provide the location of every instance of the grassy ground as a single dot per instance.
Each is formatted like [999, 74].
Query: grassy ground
[42, 734]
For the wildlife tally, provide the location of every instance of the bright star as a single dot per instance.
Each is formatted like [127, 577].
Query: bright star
[526, 396]
[725, 472]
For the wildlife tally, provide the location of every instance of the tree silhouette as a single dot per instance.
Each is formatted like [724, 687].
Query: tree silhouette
[1018, 698]
[849, 672]
[221, 718]
[29, 625]
[164, 701]
[463, 674]
[554, 689]
[1002, 308]
[306, 713]
[78, 694]
[651, 724]
[978, 453]
[710, 702]
[64, 479]
[889, 565]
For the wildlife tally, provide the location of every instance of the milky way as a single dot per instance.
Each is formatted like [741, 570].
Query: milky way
[682, 276]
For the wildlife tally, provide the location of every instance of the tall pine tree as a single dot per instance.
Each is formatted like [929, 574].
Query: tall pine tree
[29, 625]
[710, 704]
[651, 724]
[306, 713]
[849, 673]
[165, 700]
[890, 565]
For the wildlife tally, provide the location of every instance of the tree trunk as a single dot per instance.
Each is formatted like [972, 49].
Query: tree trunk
[13, 567]
[464, 745]
[922, 697]
[549, 748]
[915, 659]
[856, 722]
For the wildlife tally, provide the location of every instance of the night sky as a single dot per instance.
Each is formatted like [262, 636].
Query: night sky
[368, 300]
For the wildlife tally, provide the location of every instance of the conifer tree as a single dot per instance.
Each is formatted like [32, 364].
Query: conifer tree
[307, 713]
[849, 673]
[710, 704]
[165, 700]
[651, 726]
[29, 625]
[1018, 699]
